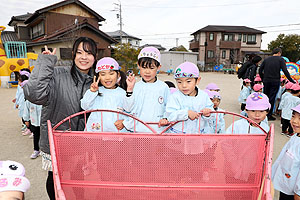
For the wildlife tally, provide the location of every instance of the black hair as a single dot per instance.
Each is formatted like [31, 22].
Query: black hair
[146, 62]
[251, 56]
[170, 84]
[276, 50]
[294, 91]
[90, 46]
[256, 59]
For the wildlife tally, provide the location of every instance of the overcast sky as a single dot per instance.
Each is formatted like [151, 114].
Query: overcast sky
[162, 21]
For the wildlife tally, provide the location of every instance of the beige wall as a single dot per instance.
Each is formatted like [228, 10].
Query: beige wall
[72, 9]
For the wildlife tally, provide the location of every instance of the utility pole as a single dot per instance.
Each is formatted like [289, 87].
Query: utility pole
[119, 16]
[177, 42]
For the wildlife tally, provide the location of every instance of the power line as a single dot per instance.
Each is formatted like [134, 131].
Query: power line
[274, 26]
[202, 6]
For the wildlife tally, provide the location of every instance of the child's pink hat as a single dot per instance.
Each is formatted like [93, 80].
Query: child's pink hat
[289, 85]
[107, 63]
[257, 78]
[297, 108]
[247, 80]
[150, 52]
[257, 87]
[214, 94]
[282, 79]
[295, 87]
[212, 86]
[257, 101]
[186, 70]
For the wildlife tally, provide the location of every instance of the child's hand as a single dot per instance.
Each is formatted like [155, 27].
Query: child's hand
[17, 106]
[193, 115]
[48, 52]
[130, 82]
[119, 124]
[206, 112]
[14, 100]
[95, 85]
[163, 122]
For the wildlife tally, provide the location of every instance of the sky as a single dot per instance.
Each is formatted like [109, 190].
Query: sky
[171, 22]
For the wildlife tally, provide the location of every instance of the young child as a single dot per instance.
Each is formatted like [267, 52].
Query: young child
[186, 103]
[212, 87]
[287, 103]
[238, 168]
[285, 170]
[279, 95]
[147, 98]
[105, 93]
[23, 78]
[245, 92]
[258, 88]
[257, 79]
[32, 118]
[218, 126]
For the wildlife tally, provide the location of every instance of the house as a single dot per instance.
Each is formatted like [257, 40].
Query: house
[58, 26]
[225, 44]
[126, 38]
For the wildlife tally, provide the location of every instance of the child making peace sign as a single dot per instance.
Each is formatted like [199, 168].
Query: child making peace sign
[106, 92]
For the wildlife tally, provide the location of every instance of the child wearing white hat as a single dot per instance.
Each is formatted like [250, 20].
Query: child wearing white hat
[285, 170]
[147, 98]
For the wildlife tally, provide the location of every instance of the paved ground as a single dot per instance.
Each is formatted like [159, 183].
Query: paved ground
[16, 147]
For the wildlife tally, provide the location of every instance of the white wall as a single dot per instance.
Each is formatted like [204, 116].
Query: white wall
[171, 59]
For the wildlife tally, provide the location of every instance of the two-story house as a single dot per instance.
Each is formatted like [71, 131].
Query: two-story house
[225, 44]
[126, 38]
[58, 26]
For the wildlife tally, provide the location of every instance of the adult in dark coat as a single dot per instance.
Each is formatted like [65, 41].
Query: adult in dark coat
[269, 71]
[242, 70]
[59, 90]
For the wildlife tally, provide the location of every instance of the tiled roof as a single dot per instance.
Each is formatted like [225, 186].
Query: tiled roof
[158, 46]
[21, 18]
[117, 34]
[58, 35]
[229, 29]
[60, 4]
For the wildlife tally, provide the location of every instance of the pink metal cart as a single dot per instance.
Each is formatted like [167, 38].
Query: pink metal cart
[118, 165]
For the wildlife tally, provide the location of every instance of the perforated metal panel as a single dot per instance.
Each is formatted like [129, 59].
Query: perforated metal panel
[136, 166]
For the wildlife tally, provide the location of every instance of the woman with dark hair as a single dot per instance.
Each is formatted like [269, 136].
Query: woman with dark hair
[59, 90]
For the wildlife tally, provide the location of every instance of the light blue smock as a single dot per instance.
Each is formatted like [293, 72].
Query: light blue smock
[288, 103]
[110, 99]
[218, 126]
[20, 100]
[286, 169]
[245, 92]
[286, 94]
[32, 112]
[241, 155]
[148, 103]
[177, 109]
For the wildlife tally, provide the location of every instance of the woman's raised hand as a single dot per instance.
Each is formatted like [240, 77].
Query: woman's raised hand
[95, 85]
[48, 52]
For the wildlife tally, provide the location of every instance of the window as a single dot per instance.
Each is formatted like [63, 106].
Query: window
[37, 30]
[211, 36]
[210, 54]
[223, 54]
[251, 38]
[244, 38]
[228, 37]
[239, 37]
[65, 53]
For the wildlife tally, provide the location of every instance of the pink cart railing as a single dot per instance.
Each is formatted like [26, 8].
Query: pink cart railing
[102, 165]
